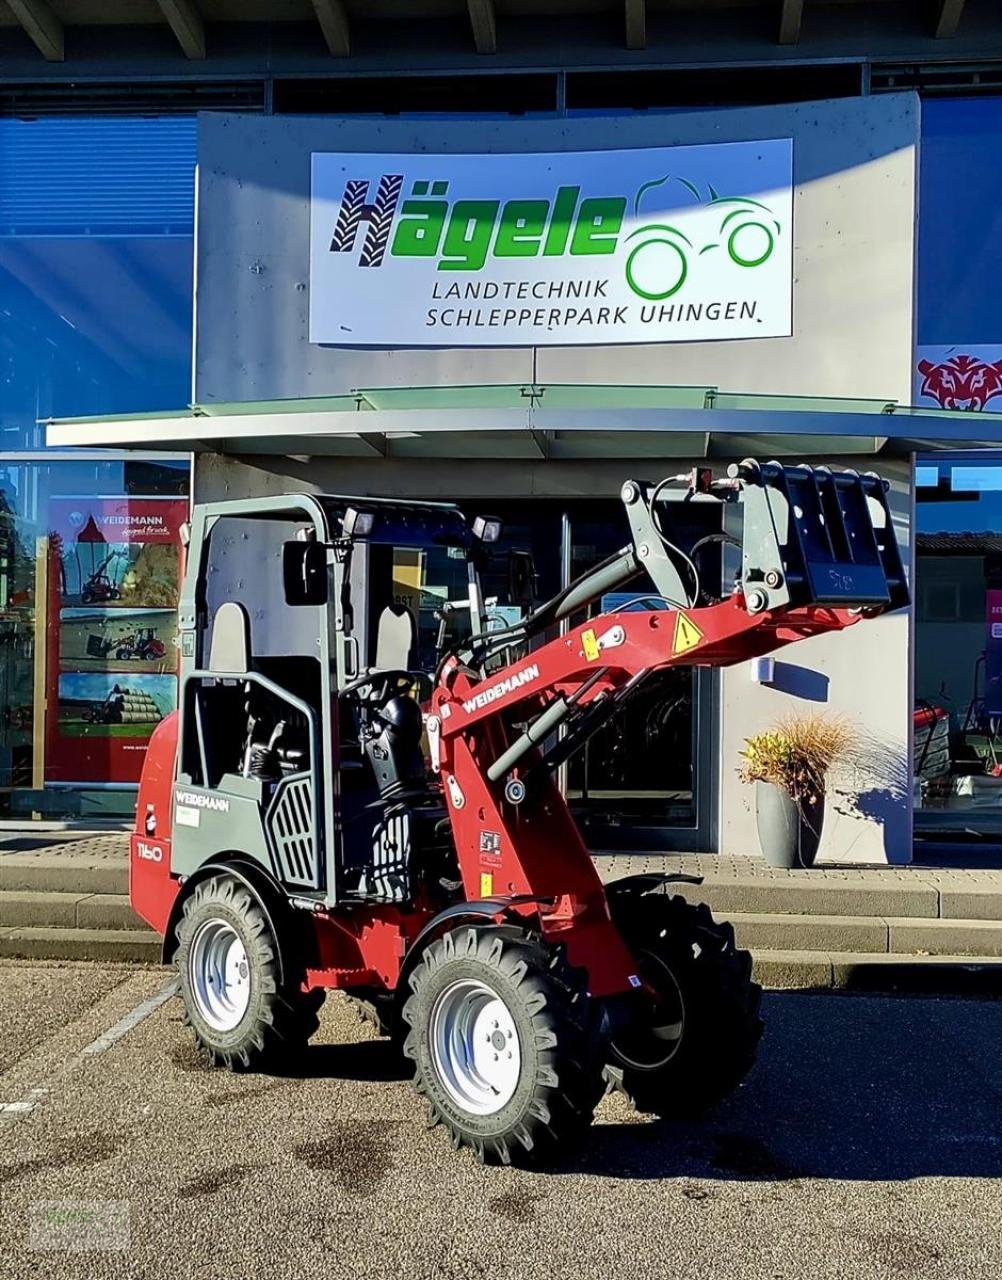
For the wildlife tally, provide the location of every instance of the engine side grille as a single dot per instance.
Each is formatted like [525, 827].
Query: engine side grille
[292, 832]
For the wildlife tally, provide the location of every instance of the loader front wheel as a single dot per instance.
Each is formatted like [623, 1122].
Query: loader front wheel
[506, 1043]
[242, 1014]
[693, 1036]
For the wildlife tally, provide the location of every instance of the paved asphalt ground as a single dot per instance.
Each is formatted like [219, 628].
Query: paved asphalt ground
[867, 1142]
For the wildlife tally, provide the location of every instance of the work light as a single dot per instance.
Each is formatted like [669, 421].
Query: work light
[357, 524]
[487, 528]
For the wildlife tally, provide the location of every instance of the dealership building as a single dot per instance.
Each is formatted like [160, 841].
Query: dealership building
[509, 256]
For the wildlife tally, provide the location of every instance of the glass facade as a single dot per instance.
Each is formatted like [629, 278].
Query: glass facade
[958, 643]
[960, 221]
[96, 248]
[96, 269]
[958, 514]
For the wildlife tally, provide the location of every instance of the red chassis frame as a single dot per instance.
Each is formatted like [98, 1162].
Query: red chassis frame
[523, 860]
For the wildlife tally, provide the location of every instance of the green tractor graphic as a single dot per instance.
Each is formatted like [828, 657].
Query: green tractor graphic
[657, 266]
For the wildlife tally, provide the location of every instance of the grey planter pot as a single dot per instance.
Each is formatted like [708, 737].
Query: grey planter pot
[789, 831]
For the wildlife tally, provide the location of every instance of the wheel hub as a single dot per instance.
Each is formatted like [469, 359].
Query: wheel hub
[656, 1032]
[474, 1046]
[219, 975]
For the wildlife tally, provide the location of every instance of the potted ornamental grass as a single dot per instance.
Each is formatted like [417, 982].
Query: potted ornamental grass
[789, 766]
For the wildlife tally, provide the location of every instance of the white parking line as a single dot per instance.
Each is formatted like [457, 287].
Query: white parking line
[26, 1105]
[11, 1112]
[121, 1028]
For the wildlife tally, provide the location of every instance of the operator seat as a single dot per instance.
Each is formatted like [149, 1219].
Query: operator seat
[391, 740]
[275, 740]
[392, 723]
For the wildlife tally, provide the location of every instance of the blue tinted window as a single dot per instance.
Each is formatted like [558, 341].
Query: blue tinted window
[958, 494]
[104, 176]
[960, 222]
[96, 243]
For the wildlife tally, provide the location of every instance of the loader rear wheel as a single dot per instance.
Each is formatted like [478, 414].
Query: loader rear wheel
[689, 1046]
[242, 1014]
[506, 1043]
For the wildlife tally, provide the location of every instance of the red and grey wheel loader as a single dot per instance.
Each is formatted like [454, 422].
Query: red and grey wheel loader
[353, 798]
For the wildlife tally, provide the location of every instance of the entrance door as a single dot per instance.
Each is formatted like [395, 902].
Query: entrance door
[645, 780]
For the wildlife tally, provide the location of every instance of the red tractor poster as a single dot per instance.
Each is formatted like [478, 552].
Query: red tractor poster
[993, 653]
[114, 572]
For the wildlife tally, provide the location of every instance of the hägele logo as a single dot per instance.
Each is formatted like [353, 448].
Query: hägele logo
[462, 234]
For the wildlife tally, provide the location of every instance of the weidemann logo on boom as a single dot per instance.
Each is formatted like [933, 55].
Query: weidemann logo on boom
[480, 700]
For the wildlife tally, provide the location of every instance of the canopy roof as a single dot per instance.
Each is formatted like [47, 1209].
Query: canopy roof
[556, 421]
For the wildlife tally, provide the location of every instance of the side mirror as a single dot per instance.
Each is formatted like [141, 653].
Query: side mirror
[304, 572]
[521, 579]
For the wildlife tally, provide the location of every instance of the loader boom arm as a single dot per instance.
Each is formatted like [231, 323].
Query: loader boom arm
[819, 553]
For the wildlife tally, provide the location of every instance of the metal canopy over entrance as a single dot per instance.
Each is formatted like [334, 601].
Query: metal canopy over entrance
[559, 422]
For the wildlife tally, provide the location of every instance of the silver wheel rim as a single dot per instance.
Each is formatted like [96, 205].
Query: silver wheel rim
[474, 1046]
[219, 975]
[662, 1037]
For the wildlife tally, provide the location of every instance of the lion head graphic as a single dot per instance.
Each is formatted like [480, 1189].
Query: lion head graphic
[962, 382]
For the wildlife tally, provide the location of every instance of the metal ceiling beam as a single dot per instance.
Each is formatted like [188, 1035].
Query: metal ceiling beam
[636, 24]
[333, 19]
[790, 18]
[186, 23]
[42, 25]
[950, 13]
[484, 24]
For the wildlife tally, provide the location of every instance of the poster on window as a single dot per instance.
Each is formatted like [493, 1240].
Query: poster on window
[114, 577]
[993, 653]
[959, 377]
[126, 641]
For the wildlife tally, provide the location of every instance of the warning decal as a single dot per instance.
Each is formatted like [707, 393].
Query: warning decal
[687, 634]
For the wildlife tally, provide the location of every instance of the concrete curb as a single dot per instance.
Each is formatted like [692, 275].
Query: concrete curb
[31, 909]
[44, 878]
[878, 973]
[738, 897]
[80, 944]
[830, 929]
[734, 886]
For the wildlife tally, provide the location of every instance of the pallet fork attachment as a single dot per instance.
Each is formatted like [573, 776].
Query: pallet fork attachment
[817, 536]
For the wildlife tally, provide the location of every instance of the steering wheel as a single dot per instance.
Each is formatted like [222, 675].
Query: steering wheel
[382, 684]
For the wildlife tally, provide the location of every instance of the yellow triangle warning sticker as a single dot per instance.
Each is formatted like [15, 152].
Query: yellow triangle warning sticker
[687, 634]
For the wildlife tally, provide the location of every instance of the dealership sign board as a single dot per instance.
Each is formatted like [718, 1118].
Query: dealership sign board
[662, 244]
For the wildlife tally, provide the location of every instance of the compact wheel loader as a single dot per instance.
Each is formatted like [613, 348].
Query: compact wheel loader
[348, 801]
